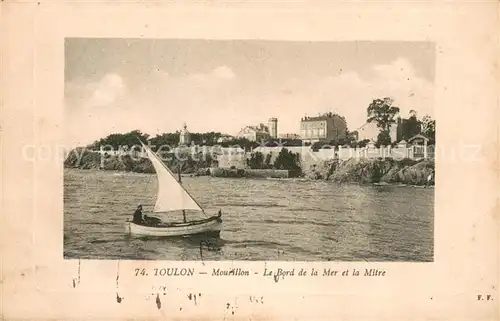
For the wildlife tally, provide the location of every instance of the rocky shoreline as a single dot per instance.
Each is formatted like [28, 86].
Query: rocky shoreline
[85, 159]
[360, 171]
[375, 171]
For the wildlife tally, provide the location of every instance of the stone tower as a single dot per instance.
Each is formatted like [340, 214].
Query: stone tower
[273, 127]
[184, 136]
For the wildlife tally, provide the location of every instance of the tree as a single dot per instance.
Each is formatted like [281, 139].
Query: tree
[271, 144]
[119, 140]
[383, 139]
[352, 137]
[256, 160]
[363, 143]
[382, 112]
[243, 143]
[287, 160]
[321, 145]
[429, 128]
[291, 142]
[268, 160]
[164, 142]
[207, 139]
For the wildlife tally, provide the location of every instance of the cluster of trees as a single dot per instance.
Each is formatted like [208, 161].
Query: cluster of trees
[384, 114]
[257, 160]
[207, 139]
[118, 140]
[244, 143]
[168, 139]
[285, 160]
[172, 139]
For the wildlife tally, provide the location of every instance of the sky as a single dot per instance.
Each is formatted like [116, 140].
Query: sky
[118, 85]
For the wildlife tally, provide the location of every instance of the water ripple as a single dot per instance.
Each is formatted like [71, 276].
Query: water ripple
[263, 220]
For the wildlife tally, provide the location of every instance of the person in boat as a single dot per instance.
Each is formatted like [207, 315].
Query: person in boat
[152, 221]
[138, 215]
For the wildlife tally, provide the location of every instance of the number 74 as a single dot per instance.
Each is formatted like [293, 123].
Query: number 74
[140, 272]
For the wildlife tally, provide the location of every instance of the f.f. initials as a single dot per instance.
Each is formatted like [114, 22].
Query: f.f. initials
[488, 297]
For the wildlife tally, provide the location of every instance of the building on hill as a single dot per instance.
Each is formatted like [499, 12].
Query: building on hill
[407, 128]
[184, 136]
[255, 133]
[289, 136]
[324, 128]
[370, 131]
[402, 129]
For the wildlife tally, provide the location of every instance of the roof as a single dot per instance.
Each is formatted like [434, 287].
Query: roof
[417, 137]
[260, 128]
[321, 117]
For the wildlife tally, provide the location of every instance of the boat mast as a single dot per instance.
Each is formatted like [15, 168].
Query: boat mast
[183, 211]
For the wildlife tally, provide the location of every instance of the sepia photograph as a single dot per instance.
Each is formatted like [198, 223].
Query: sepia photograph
[249, 160]
[250, 149]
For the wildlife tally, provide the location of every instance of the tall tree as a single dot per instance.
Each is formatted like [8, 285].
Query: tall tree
[383, 139]
[429, 128]
[383, 113]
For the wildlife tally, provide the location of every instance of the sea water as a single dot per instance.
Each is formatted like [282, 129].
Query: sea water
[282, 220]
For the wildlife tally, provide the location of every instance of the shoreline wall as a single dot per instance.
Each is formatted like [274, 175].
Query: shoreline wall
[250, 173]
[364, 171]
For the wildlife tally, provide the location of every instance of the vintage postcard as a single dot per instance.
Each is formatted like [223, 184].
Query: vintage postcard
[250, 161]
[273, 179]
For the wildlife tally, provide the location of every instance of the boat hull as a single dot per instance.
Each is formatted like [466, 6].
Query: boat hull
[211, 226]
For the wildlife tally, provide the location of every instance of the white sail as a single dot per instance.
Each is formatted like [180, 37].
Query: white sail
[171, 195]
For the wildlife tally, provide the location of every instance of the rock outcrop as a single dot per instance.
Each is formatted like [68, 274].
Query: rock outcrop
[369, 171]
[85, 159]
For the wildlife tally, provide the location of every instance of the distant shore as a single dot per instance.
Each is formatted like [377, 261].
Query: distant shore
[362, 171]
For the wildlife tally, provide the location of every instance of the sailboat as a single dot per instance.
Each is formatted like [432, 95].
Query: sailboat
[172, 197]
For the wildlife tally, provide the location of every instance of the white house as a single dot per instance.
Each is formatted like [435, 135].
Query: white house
[255, 133]
[370, 131]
